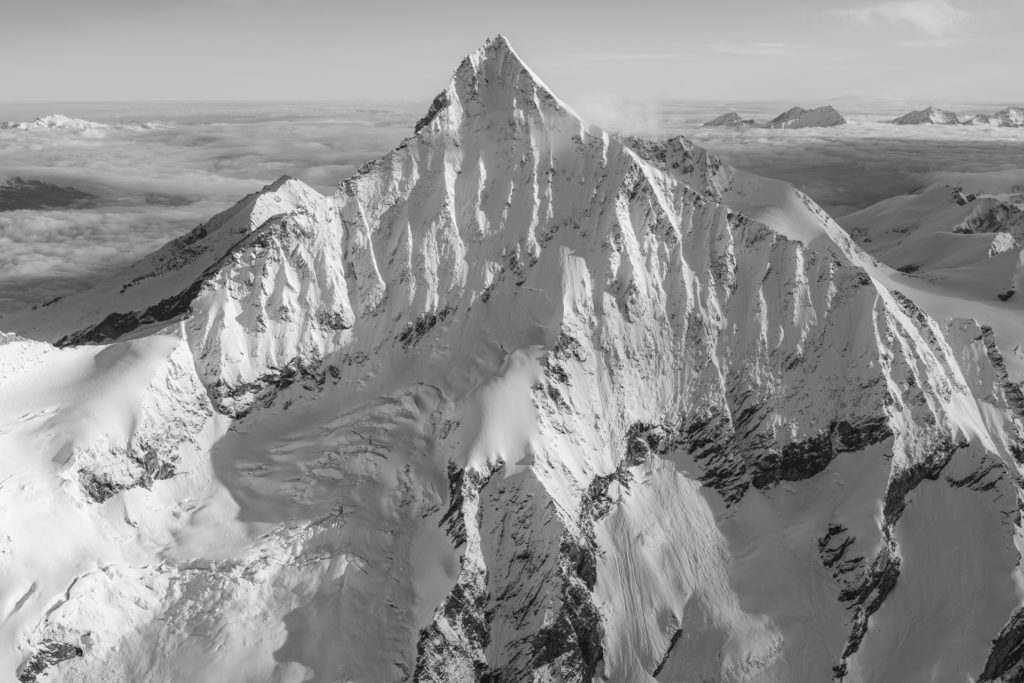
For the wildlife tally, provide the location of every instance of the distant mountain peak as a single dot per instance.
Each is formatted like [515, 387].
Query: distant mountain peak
[52, 121]
[62, 122]
[794, 117]
[730, 120]
[929, 115]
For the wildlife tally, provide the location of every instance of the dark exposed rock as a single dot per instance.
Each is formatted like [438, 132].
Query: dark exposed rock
[880, 579]
[436, 107]
[868, 597]
[154, 467]
[49, 653]
[238, 400]
[335, 320]
[461, 628]
[798, 460]
[984, 478]
[848, 438]
[573, 641]
[711, 441]
[461, 484]
[997, 217]
[807, 457]
[1012, 390]
[568, 347]
[415, 330]
[832, 549]
[903, 481]
[664, 660]
[1006, 660]
[97, 487]
[150, 467]
[117, 324]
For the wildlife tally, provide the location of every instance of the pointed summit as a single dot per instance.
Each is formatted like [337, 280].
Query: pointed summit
[492, 79]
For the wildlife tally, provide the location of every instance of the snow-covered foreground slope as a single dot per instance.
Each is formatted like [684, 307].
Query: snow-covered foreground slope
[521, 401]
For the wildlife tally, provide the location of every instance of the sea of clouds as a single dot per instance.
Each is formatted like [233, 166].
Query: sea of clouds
[151, 185]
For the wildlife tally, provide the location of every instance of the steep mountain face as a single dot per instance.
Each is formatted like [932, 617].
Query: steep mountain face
[929, 116]
[521, 401]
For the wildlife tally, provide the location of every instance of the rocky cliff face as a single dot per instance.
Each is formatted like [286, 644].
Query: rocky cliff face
[522, 401]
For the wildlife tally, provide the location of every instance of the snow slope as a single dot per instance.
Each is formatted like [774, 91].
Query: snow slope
[521, 401]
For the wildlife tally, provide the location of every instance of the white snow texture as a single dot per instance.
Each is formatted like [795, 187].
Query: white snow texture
[524, 400]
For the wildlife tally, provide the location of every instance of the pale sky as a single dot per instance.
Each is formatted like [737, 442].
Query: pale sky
[936, 51]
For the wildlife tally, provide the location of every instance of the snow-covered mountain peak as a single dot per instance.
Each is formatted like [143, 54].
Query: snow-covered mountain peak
[492, 79]
[60, 122]
[523, 400]
[53, 122]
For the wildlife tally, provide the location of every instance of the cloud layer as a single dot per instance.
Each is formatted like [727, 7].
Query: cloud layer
[151, 186]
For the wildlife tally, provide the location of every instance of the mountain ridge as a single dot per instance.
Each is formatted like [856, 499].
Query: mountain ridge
[523, 399]
[1010, 117]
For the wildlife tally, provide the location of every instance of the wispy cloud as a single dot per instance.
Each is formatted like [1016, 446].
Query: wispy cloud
[937, 18]
[756, 49]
